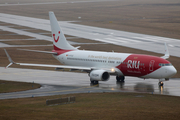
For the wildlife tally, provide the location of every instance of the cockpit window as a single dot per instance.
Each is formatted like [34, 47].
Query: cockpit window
[165, 64]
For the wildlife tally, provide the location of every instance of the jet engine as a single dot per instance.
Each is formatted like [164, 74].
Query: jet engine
[99, 75]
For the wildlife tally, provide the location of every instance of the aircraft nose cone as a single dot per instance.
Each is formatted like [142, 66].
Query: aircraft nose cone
[172, 71]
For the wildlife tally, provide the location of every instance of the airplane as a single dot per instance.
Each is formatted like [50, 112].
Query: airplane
[100, 65]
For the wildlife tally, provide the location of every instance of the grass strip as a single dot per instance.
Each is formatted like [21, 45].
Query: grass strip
[90, 106]
[11, 86]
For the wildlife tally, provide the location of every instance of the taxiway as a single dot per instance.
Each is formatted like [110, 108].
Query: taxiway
[59, 82]
[122, 38]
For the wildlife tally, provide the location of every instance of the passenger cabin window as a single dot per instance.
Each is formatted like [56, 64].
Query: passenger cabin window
[91, 60]
[110, 61]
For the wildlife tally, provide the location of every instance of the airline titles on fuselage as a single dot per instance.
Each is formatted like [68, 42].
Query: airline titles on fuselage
[104, 57]
[133, 64]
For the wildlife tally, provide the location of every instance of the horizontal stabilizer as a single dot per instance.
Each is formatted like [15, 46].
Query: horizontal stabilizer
[38, 51]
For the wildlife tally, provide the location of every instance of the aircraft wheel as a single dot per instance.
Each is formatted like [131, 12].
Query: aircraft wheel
[160, 83]
[94, 82]
[120, 78]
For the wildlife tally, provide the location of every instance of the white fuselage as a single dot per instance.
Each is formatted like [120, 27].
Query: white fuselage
[92, 58]
[124, 64]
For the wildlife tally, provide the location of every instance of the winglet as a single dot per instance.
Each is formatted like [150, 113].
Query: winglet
[9, 58]
[166, 54]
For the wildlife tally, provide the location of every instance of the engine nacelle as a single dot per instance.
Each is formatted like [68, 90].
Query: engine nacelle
[99, 75]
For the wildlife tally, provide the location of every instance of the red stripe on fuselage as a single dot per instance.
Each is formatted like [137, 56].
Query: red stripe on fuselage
[140, 65]
[60, 51]
[56, 48]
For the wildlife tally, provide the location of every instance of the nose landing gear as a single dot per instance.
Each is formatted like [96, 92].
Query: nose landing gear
[160, 83]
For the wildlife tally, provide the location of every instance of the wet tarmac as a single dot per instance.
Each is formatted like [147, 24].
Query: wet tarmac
[121, 38]
[59, 82]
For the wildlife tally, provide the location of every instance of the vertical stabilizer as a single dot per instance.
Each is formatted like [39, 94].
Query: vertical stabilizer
[59, 40]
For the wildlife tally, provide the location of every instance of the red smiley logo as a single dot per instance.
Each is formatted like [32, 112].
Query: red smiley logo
[56, 40]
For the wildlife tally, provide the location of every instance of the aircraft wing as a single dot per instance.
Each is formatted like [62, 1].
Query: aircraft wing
[110, 70]
[44, 65]
[55, 66]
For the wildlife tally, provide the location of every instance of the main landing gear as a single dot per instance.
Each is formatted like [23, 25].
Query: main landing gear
[94, 82]
[120, 78]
